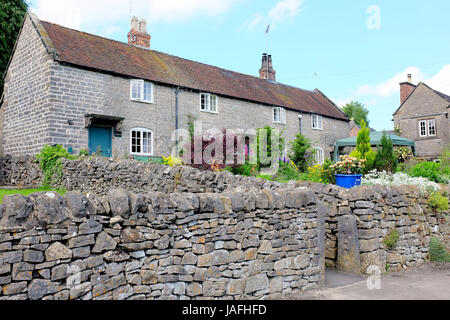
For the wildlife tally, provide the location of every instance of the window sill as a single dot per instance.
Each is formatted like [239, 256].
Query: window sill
[280, 123]
[142, 101]
[141, 154]
[211, 112]
[317, 129]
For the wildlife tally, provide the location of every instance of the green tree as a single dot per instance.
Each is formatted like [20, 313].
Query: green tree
[357, 111]
[386, 159]
[12, 13]
[364, 148]
[299, 152]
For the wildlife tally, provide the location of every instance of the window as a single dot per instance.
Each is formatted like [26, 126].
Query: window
[317, 122]
[319, 156]
[141, 90]
[141, 142]
[279, 115]
[208, 102]
[423, 128]
[431, 128]
[427, 128]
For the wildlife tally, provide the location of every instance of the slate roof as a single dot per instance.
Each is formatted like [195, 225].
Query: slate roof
[104, 55]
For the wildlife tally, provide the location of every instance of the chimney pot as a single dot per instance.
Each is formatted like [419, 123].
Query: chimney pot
[138, 35]
[409, 78]
[267, 72]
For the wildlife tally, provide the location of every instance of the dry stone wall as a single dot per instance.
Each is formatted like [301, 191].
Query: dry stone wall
[259, 244]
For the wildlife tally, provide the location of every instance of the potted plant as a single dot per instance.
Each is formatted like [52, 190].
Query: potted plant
[348, 171]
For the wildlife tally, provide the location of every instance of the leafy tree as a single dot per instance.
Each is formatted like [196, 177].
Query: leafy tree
[300, 148]
[386, 159]
[12, 13]
[364, 148]
[357, 111]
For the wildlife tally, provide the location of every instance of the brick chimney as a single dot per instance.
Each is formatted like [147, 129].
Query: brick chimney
[406, 88]
[267, 72]
[138, 35]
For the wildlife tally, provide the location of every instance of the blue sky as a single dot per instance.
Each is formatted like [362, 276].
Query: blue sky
[350, 50]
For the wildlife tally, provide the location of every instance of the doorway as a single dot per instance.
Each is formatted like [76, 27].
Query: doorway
[100, 140]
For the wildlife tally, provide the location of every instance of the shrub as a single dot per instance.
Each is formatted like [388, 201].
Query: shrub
[84, 153]
[300, 151]
[399, 179]
[243, 170]
[363, 149]
[438, 202]
[50, 162]
[402, 153]
[172, 161]
[349, 165]
[438, 251]
[430, 170]
[322, 173]
[391, 239]
[287, 171]
[270, 155]
[385, 159]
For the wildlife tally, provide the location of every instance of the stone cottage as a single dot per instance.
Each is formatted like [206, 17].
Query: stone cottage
[86, 92]
[423, 117]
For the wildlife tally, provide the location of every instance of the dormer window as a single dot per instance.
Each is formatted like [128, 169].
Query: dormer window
[141, 90]
[208, 102]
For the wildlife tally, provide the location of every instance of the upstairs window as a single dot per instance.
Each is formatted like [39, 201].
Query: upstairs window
[208, 102]
[141, 142]
[427, 128]
[141, 90]
[279, 115]
[317, 122]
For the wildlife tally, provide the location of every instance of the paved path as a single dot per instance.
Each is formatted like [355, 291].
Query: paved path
[429, 281]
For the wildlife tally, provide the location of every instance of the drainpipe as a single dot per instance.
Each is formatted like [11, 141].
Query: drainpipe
[177, 90]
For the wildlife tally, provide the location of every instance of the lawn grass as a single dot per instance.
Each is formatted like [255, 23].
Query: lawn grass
[26, 192]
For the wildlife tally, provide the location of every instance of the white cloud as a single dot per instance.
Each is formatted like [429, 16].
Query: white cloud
[282, 11]
[89, 14]
[391, 86]
[441, 81]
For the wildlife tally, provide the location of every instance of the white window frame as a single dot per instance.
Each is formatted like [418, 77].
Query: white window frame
[281, 115]
[141, 83]
[433, 123]
[319, 156]
[141, 131]
[316, 122]
[208, 99]
[429, 127]
[423, 123]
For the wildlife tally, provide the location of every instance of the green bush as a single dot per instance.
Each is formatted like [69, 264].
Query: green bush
[391, 239]
[363, 149]
[386, 160]
[322, 173]
[50, 162]
[438, 252]
[438, 202]
[300, 148]
[84, 152]
[287, 172]
[247, 170]
[430, 170]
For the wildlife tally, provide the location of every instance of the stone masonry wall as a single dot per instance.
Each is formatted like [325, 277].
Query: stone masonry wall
[19, 171]
[259, 244]
[377, 210]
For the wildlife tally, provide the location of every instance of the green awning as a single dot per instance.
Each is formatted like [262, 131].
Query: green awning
[375, 140]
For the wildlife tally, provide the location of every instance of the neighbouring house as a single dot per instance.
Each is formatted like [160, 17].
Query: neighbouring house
[355, 128]
[86, 92]
[423, 117]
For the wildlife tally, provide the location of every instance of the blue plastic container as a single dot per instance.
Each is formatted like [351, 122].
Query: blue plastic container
[348, 180]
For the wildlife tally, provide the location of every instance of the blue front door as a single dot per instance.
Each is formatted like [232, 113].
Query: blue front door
[100, 140]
